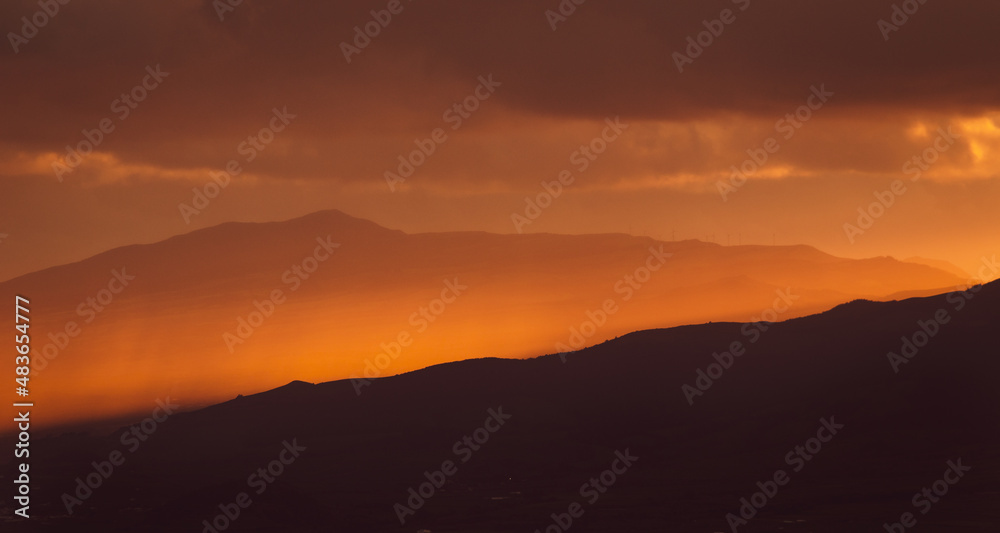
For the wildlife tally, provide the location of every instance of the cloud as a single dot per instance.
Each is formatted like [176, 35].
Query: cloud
[604, 60]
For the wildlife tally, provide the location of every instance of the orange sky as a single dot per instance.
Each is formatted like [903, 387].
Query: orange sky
[223, 311]
[555, 89]
[497, 106]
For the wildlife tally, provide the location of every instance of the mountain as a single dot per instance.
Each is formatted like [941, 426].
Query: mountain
[856, 433]
[245, 307]
[940, 265]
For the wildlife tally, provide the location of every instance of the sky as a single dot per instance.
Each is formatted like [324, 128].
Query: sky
[643, 108]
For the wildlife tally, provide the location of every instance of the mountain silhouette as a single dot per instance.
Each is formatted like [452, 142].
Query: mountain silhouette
[198, 307]
[898, 426]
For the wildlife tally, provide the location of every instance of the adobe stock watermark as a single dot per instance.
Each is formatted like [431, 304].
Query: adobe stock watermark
[249, 148]
[591, 491]
[464, 449]
[795, 458]
[30, 26]
[364, 34]
[132, 438]
[713, 30]
[455, 115]
[293, 278]
[22, 450]
[88, 310]
[787, 127]
[898, 17]
[910, 345]
[122, 108]
[420, 319]
[581, 158]
[626, 286]
[566, 8]
[915, 166]
[751, 331]
[260, 480]
[928, 496]
[224, 7]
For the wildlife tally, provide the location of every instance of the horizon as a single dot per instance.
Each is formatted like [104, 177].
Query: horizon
[109, 424]
[333, 294]
[972, 265]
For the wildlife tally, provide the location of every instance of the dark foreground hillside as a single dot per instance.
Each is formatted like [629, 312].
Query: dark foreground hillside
[878, 439]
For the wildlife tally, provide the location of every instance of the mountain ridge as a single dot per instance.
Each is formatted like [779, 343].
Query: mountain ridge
[357, 221]
[337, 291]
[695, 462]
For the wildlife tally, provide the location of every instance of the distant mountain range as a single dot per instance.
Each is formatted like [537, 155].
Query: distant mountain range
[861, 408]
[242, 308]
